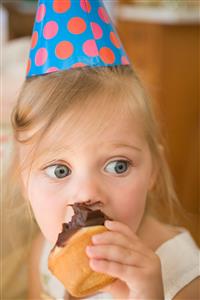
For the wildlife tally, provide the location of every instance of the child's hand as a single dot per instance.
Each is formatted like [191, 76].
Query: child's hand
[121, 254]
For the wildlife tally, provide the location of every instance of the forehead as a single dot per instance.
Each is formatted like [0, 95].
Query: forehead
[94, 123]
[92, 127]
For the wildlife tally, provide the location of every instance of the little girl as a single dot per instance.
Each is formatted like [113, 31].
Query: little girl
[89, 133]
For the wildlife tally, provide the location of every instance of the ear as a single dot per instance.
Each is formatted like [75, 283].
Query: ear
[155, 168]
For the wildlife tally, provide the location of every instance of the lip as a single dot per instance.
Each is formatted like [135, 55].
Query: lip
[93, 205]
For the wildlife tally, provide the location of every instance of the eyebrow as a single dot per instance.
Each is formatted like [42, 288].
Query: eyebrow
[55, 151]
[124, 145]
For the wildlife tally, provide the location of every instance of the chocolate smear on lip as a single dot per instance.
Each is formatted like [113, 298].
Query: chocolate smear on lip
[84, 216]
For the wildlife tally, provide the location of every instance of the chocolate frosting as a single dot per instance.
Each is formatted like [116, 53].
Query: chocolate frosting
[84, 216]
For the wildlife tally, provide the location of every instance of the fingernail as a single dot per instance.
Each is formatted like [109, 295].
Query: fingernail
[108, 223]
[95, 238]
[92, 264]
[88, 249]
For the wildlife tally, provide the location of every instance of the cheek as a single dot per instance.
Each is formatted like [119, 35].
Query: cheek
[48, 210]
[131, 202]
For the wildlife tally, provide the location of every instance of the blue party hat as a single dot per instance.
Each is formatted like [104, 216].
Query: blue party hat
[73, 33]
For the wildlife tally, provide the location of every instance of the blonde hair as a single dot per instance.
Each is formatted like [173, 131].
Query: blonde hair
[45, 99]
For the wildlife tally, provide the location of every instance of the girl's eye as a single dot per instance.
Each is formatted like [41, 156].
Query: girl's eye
[118, 166]
[58, 171]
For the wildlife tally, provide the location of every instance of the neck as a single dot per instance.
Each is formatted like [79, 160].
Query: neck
[154, 233]
[149, 232]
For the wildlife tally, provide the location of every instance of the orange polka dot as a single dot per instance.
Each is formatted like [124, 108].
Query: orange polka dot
[107, 55]
[61, 6]
[34, 39]
[103, 15]
[64, 49]
[28, 66]
[76, 25]
[124, 60]
[114, 39]
[79, 65]
[85, 5]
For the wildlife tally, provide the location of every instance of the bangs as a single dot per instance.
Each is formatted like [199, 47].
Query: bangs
[83, 120]
[47, 99]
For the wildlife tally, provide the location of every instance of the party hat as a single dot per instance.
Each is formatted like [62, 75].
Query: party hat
[73, 33]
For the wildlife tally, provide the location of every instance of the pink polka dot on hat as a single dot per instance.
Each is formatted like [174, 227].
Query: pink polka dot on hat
[71, 34]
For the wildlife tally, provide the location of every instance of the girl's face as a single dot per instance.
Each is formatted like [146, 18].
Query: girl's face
[112, 165]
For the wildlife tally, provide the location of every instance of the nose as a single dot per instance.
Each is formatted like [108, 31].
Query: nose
[89, 189]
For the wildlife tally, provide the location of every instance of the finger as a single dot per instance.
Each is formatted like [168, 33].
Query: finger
[117, 254]
[120, 227]
[117, 238]
[114, 269]
[110, 237]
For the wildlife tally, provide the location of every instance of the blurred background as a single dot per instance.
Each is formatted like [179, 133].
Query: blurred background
[162, 41]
